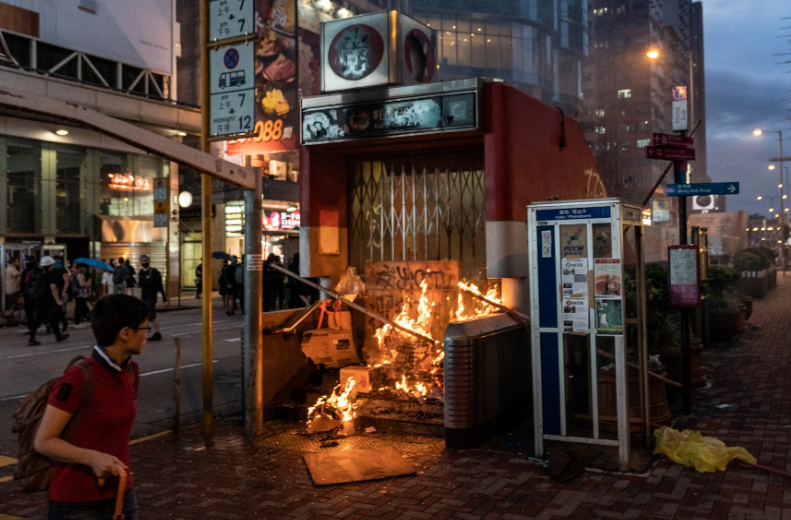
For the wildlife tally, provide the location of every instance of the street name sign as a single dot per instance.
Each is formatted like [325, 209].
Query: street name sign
[231, 18]
[669, 154]
[703, 188]
[232, 88]
[675, 141]
[680, 111]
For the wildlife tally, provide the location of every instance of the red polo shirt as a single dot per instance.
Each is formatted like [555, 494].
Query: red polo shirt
[105, 427]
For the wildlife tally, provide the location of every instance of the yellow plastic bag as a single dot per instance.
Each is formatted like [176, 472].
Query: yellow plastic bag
[690, 448]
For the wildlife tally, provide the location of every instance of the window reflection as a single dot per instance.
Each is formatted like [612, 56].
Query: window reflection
[24, 187]
[127, 184]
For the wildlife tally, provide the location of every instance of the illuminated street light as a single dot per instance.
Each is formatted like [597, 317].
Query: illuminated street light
[771, 166]
[653, 54]
[760, 197]
[780, 185]
[771, 210]
[757, 131]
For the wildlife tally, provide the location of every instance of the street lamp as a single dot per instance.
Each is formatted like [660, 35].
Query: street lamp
[758, 132]
[771, 166]
[760, 197]
[653, 54]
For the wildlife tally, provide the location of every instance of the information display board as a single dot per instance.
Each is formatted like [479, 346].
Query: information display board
[232, 69]
[684, 276]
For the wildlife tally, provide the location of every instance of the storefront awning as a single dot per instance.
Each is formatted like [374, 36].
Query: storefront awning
[130, 134]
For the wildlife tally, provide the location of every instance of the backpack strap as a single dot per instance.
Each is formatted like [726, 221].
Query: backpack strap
[74, 423]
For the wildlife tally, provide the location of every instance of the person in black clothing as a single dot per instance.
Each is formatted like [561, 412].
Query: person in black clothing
[34, 291]
[130, 280]
[150, 282]
[199, 280]
[239, 274]
[269, 280]
[229, 273]
[66, 275]
[56, 297]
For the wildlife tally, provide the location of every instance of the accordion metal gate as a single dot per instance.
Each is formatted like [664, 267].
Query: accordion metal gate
[418, 206]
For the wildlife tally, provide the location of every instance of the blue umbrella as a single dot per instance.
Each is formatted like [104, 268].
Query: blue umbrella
[221, 255]
[95, 263]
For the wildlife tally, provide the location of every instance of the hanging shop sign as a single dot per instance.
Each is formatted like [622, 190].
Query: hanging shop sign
[161, 202]
[392, 117]
[276, 105]
[129, 182]
[281, 220]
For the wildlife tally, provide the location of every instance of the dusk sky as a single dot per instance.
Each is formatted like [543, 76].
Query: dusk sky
[744, 91]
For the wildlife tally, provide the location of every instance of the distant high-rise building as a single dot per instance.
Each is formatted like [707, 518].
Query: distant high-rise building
[627, 94]
[537, 46]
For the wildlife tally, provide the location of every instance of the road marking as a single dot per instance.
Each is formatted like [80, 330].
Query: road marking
[171, 370]
[233, 339]
[147, 438]
[13, 397]
[193, 324]
[6, 461]
[29, 354]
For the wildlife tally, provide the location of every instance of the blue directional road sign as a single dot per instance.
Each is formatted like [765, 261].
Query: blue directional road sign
[703, 188]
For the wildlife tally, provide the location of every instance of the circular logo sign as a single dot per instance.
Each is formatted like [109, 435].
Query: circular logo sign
[356, 52]
[231, 58]
[419, 56]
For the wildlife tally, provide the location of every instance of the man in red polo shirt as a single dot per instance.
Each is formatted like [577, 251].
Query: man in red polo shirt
[85, 477]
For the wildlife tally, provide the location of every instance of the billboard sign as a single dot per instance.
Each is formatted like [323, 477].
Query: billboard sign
[231, 72]
[680, 113]
[138, 33]
[276, 104]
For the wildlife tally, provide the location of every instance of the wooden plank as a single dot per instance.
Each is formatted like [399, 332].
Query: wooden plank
[342, 466]
[19, 20]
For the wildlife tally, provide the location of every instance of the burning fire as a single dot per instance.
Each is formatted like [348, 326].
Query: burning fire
[340, 405]
[390, 338]
[480, 308]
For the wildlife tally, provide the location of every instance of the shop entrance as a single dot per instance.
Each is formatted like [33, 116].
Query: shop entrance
[418, 207]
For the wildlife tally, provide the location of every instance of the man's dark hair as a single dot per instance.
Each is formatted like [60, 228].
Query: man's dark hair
[121, 260]
[112, 313]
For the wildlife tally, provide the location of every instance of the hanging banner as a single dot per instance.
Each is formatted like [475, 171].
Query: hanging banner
[684, 276]
[276, 81]
[680, 115]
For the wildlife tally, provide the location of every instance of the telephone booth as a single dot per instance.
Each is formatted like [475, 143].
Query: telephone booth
[587, 310]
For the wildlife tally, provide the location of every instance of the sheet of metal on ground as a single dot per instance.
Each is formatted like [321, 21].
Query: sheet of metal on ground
[339, 467]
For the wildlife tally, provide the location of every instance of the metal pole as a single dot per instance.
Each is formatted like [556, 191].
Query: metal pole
[353, 305]
[208, 390]
[177, 390]
[642, 334]
[253, 295]
[783, 218]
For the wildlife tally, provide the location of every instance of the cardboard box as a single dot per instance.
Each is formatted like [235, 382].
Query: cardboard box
[362, 378]
[330, 347]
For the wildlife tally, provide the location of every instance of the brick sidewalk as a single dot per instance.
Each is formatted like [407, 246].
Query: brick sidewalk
[230, 477]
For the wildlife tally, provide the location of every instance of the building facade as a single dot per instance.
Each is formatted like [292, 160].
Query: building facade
[538, 46]
[68, 189]
[627, 95]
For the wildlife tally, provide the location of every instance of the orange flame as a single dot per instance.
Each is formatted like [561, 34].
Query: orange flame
[479, 309]
[421, 324]
[344, 403]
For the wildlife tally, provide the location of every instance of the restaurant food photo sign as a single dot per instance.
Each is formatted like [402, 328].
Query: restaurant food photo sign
[276, 84]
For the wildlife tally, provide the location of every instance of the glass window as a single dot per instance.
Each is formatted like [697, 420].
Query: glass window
[67, 189]
[127, 183]
[24, 187]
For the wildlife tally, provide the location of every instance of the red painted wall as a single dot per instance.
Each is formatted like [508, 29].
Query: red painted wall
[523, 159]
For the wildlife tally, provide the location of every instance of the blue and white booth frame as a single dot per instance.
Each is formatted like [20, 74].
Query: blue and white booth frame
[577, 255]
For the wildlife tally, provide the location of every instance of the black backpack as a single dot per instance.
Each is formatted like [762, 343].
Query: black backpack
[35, 285]
[120, 274]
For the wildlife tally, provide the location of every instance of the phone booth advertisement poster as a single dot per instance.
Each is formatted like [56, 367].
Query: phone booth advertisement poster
[683, 274]
[609, 317]
[607, 273]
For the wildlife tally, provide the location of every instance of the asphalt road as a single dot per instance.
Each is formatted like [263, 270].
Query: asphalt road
[24, 368]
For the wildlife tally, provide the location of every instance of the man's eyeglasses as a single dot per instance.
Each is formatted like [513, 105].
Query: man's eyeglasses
[144, 328]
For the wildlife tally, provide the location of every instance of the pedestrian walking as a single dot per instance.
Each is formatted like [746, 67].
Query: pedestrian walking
[82, 282]
[34, 291]
[12, 287]
[107, 280]
[119, 277]
[229, 273]
[62, 270]
[199, 280]
[223, 283]
[85, 477]
[239, 275]
[130, 279]
[150, 282]
[56, 297]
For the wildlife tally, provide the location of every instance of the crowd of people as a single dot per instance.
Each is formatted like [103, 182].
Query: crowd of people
[37, 294]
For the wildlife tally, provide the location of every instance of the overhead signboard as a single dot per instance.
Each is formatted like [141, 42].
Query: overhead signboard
[680, 115]
[676, 141]
[703, 188]
[669, 153]
[231, 18]
[392, 117]
[231, 81]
